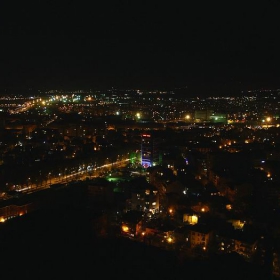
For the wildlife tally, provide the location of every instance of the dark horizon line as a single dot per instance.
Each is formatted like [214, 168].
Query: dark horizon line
[185, 90]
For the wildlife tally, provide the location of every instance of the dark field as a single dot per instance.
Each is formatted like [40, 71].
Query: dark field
[60, 244]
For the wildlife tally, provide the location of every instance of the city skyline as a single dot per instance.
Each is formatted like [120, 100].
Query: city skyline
[177, 186]
[208, 48]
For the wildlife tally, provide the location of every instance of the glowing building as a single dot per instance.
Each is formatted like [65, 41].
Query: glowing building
[150, 155]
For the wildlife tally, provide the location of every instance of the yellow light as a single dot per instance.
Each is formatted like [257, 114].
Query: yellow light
[125, 228]
[194, 219]
[228, 206]
[202, 209]
[188, 117]
[2, 220]
[268, 119]
[169, 240]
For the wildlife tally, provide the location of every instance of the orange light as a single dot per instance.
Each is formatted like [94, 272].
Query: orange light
[125, 228]
[169, 240]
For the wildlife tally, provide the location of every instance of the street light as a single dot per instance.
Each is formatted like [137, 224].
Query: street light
[267, 120]
[65, 173]
[50, 177]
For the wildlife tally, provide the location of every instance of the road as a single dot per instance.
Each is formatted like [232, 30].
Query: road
[80, 175]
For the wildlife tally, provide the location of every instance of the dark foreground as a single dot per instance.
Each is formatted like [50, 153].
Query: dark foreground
[62, 245]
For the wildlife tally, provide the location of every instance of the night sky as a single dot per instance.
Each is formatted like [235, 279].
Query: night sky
[207, 46]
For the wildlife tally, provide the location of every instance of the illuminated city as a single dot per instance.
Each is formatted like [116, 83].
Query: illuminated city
[192, 176]
[140, 140]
